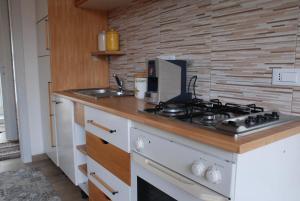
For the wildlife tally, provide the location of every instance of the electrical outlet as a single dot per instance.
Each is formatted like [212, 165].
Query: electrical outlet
[289, 77]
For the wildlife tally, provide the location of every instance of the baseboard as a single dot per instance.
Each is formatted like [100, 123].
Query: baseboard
[39, 157]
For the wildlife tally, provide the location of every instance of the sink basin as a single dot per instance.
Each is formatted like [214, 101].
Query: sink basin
[101, 93]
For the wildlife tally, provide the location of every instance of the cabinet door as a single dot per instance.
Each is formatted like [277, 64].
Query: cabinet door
[64, 111]
[49, 131]
[43, 38]
[41, 9]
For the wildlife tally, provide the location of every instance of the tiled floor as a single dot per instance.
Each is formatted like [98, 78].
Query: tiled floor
[64, 187]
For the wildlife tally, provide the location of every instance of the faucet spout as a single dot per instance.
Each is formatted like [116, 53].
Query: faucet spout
[119, 82]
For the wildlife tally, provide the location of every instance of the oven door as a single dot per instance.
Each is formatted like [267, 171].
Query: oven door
[153, 182]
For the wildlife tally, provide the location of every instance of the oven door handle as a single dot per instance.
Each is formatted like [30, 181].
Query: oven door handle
[199, 191]
[169, 173]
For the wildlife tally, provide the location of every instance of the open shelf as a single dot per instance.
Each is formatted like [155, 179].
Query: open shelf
[83, 169]
[108, 53]
[82, 149]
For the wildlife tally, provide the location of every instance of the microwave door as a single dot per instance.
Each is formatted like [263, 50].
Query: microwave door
[179, 185]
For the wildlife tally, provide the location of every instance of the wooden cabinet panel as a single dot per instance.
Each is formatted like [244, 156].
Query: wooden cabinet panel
[110, 157]
[96, 194]
[79, 114]
[101, 4]
[79, 2]
[73, 33]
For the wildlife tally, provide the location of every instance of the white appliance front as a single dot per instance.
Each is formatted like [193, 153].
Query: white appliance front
[152, 181]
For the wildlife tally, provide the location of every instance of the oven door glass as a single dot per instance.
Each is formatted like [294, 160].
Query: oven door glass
[147, 192]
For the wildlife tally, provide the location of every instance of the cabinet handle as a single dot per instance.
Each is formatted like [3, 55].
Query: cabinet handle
[57, 102]
[105, 185]
[100, 126]
[53, 144]
[47, 34]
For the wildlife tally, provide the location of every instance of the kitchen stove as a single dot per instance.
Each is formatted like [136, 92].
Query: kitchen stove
[233, 119]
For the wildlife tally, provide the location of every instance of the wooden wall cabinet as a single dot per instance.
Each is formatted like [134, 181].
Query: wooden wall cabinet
[101, 4]
[74, 34]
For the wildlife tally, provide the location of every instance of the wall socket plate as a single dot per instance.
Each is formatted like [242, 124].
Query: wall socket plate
[287, 77]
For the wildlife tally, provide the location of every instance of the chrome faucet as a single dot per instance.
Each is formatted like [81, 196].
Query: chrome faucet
[119, 83]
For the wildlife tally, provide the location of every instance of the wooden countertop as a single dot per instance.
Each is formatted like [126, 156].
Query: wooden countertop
[128, 107]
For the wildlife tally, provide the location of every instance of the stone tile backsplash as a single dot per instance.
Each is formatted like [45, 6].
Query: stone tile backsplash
[231, 45]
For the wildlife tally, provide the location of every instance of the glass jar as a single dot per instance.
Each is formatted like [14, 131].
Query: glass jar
[112, 40]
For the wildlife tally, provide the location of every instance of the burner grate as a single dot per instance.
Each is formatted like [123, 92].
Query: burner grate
[207, 113]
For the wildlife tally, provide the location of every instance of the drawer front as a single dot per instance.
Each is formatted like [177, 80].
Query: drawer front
[110, 185]
[109, 156]
[95, 194]
[109, 127]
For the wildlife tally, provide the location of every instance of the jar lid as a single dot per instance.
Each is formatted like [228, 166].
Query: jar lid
[140, 75]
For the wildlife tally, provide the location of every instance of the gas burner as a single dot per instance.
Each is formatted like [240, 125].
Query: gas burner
[172, 109]
[209, 116]
[230, 117]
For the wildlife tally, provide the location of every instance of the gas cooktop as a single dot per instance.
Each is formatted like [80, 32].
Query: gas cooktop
[233, 119]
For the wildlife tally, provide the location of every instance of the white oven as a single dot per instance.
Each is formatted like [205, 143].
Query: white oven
[162, 170]
[153, 182]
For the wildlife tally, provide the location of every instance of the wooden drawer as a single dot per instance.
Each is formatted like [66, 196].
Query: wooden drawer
[110, 185]
[110, 157]
[95, 194]
[109, 127]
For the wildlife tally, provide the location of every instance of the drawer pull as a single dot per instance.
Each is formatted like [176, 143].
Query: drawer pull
[110, 189]
[100, 126]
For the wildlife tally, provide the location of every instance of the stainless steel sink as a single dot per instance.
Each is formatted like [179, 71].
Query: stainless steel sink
[103, 92]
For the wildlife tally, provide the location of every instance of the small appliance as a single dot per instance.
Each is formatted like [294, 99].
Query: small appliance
[166, 81]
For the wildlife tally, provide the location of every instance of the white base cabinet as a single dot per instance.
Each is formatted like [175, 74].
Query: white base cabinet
[64, 110]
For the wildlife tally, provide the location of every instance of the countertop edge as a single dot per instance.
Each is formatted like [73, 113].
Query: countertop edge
[239, 146]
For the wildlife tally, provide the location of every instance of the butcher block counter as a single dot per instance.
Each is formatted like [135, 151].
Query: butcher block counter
[130, 107]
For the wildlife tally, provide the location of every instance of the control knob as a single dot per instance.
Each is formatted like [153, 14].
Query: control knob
[250, 121]
[198, 168]
[213, 175]
[275, 115]
[139, 144]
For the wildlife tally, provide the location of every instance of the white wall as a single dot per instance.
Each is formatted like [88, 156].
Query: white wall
[31, 74]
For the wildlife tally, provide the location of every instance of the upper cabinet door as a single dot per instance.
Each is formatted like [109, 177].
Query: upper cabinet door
[41, 9]
[43, 38]
[101, 4]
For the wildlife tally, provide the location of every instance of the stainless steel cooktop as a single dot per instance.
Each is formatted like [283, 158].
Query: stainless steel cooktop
[232, 119]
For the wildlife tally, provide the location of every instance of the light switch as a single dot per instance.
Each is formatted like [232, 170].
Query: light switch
[290, 77]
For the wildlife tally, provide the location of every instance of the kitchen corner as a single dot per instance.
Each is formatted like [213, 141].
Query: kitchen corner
[172, 100]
